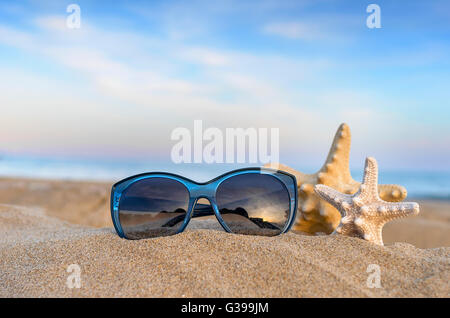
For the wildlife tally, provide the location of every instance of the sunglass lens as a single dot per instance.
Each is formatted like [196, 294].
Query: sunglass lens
[254, 203]
[153, 207]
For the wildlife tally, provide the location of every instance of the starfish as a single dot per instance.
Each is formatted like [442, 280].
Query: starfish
[317, 216]
[364, 214]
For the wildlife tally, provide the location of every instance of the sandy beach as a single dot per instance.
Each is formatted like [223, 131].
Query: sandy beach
[47, 225]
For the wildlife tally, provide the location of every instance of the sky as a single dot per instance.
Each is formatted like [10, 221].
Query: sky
[136, 70]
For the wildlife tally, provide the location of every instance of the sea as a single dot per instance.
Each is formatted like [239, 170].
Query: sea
[420, 184]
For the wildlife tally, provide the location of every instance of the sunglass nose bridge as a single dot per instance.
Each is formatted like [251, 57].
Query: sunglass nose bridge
[206, 191]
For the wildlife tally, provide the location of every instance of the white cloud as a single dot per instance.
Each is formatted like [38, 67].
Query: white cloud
[205, 56]
[327, 28]
[295, 30]
[15, 38]
[52, 23]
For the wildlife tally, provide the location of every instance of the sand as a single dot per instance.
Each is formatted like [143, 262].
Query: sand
[47, 225]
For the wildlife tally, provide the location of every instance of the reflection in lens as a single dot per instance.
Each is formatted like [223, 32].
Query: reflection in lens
[153, 207]
[253, 203]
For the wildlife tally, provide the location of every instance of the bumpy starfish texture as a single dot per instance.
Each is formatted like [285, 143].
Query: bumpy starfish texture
[317, 216]
[364, 213]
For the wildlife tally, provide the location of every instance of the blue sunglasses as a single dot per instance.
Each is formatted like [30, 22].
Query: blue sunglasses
[253, 201]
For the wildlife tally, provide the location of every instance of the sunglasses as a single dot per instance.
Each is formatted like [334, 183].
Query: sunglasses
[253, 201]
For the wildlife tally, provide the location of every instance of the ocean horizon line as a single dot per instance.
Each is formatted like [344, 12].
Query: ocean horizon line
[419, 184]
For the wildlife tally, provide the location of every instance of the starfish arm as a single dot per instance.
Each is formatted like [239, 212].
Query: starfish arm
[371, 232]
[332, 196]
[396, 210]
[369, 187]
[339, 153]
[392, 192]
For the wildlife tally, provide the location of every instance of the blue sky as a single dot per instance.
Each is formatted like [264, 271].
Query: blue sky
[136, 70]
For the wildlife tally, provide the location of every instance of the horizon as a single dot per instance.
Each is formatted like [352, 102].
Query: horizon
[425, 184]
